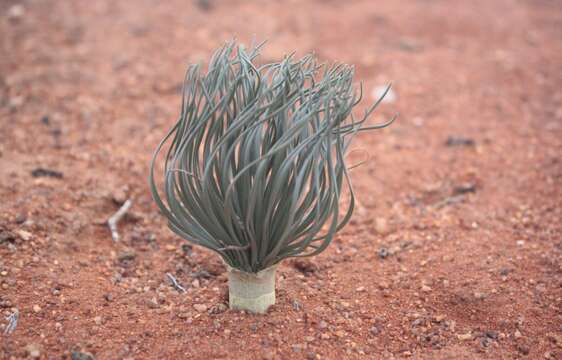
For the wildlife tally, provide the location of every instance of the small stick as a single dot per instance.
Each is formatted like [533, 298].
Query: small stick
[112, 222]
[175, 283]
[12, 322]
[449, 201]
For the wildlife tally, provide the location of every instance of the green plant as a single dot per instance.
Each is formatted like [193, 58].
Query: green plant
[255, 169]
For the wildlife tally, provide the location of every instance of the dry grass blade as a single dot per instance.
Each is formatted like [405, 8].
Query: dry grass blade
[12, 322]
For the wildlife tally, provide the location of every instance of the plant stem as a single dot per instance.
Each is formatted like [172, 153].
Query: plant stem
[252, 292]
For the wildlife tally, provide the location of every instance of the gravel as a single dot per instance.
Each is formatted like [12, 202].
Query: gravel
[82, 355]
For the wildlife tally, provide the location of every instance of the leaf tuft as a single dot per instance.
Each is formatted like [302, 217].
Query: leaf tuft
[255, 165]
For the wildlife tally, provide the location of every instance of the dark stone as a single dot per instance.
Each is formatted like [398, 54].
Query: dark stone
[42, 172]
[6, 236]
[79, 355]
[304, 266]
[523, 349]
[459, 141]
[187, 249]
[464, 189]
[204, 5]
[203, 274]
[383, 253]
[20, 218]
[375, 330]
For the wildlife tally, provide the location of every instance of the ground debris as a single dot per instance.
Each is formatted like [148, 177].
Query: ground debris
[464, 188]
[126, 258]
[42, 172]
[6, 236]
[459, 141]
[218, 308]
[12, 322]
[449, 200]
[383, 253]
[465, 337]
[384, 90]
[114, 220]
[306, 267]
[175, 284]
[33, 351]
[81, 355]
[201, 274]
[16, 12]
[200, 307]
[205, 5]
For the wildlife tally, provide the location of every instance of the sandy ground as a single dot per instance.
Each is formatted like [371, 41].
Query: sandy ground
[455, 250]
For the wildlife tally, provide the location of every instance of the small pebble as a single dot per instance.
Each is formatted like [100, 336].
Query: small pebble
[523, 349]
[24, 235]
[33, 351]
[82, 355]
[459, 141]
[340, 333]
[297, 348]
[126, 256]
[383, 253]
[464, 337]
[381, 226]
[383, 285]
[378, 91]
[15, 12]
[219, 308]
[200, 307]
[36, 308]
[479, 295]
[152, 303]
[184, 315]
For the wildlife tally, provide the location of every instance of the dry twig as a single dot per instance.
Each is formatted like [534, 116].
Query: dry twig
[12, 322]
[112, 222]
[175, 283]
[449, 201]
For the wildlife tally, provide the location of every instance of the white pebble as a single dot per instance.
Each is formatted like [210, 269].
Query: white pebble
[378, 91]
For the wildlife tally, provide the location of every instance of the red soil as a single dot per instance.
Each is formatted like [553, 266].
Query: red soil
[455, 252]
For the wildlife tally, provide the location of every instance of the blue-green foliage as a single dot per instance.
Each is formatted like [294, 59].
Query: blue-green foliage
[255, 166]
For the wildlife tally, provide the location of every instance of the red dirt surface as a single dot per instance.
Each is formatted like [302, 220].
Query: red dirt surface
[455, 251]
